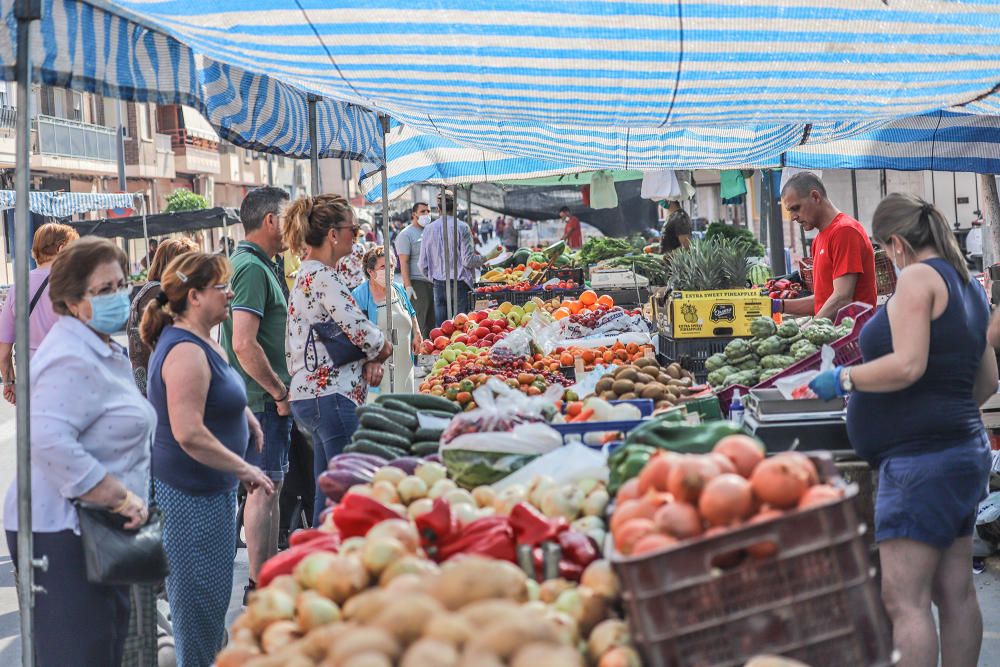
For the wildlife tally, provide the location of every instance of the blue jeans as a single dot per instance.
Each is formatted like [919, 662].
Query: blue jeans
[273, 460]
[441, 301]
[330, 421]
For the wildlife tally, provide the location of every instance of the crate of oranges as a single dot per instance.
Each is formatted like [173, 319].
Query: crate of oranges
[618, 354]
[587, 302]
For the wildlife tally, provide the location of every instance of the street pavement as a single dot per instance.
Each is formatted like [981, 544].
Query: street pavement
[987, 584]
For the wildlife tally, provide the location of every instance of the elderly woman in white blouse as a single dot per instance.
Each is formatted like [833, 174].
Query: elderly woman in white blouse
[90, 440]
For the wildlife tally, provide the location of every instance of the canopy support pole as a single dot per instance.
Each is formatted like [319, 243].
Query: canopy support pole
[26, 11]
[776, 232]
[443, 210]
[390, 331]
[314, 148]
[854, 192]
[145, 231]
[991, 218]
[455, 257]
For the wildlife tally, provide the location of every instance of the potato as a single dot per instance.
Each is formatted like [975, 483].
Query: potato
[550, 655]
[364, 606]
[317, 643]
[367, 659]
[363, 640]
[452, 628]
[551, 588]
[473, 578]
[623, 386]
[663, 378]
[407, 615]
[235, 656]
[430, 653]
[480, 658]
[484, 612]
[504, 638]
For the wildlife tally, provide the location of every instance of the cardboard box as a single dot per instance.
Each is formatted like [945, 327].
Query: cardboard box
[715, 313]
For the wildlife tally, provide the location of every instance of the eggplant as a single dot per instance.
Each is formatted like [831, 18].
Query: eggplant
[407, 464]
[335, 483]
[376, 461]
[436, 458]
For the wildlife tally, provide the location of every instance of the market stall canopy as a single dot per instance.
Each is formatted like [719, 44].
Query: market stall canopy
[65, 204]
[104, 48]
[159, 224]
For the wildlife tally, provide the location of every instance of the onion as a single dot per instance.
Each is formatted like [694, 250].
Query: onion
[408, 564]
[540, 486]
[389, 473]
[308, 570]
[744, 452]
[287, 584]
[779, 482]
[411, 488]
[465, 513]
[600, 578]
[585, 523]
[381, 553]
[679, 520]
[564, 501]
[460, 497]
[418, 507]
[440, 487]
[564, 625]
[361, 490]
[583, 605]
[342, 578]
[689, 475]
[400, 529]
[589, 485]
[607, 635]
[485, 496]
[431, 472]
[620, 656]
[509, 497]
[352, 545]
[269, 606]
[726, 500]
[484, 512]
[278, 635]
[312, 610]
[384, 491]
[596, 502]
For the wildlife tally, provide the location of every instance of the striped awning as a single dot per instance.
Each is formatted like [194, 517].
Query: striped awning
[65, 204]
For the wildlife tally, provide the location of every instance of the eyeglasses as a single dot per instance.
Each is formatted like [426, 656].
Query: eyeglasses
[120, 286]
[354, 229]
[222, 287]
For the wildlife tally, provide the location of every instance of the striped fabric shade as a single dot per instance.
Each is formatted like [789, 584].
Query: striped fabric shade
[65, 204]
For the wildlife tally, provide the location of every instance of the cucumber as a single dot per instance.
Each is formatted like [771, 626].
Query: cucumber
[425, 448]
[369, 447]
[438, 413]
[382, 438]
[402, 418]
[378, 422]
[428, 434]
[398, 406]
[422, 402]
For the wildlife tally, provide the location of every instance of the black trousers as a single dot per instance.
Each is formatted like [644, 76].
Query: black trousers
[75, 623]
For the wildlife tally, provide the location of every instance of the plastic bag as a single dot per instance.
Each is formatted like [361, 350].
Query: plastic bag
[515, 345]
[587, 383]
[499, 409]
[565, 465]
[614, 322]
[796, 386]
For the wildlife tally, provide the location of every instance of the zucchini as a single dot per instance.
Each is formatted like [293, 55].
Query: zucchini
[422, 402]
[428, 434]
[369, 447]
[425, 448]
[378, 422]
[395, 416]
[398, 406]
[382, 438]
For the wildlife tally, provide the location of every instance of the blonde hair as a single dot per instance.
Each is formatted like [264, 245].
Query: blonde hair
[193, 270]
[920, 225]
[308, 220]
[49, 239]
[166, 252]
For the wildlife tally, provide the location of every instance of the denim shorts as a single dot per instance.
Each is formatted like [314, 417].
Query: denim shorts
[932, 498]
[277, 441]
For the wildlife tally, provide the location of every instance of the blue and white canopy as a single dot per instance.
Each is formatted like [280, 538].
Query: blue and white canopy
[65, 204]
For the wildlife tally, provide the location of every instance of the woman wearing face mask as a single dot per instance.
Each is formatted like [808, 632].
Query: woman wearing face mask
[914, 416]
[203, 426]
[325, 395]
[90, 435]
[370, 297]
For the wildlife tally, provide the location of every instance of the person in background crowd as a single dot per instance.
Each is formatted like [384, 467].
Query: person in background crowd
[418, 287]
[90, 435]
[843, 257]
[148, 259]
[974, 243]
[226, 247]
[138, 352]
[254, 341]
[436, 266]
[572, 233]
[677, 230]
[498, 227]
[486, 229]
[202, 432]
[370, 297]
[290, 267]
[509, 237]
[324, 396]
[50, 239]
[914, 416]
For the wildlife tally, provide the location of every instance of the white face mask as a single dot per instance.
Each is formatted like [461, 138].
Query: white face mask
[424, 220]
[379, 277]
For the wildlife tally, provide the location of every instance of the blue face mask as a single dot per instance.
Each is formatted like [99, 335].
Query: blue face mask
[110, 312]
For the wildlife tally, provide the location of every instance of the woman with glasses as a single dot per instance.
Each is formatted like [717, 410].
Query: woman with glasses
[325, 392]
[370, 297]
[203, 426]
[90, 434]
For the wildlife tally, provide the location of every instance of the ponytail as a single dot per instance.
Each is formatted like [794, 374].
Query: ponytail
[920, 225]
[308, 220]
[190, 271]
[155, 319]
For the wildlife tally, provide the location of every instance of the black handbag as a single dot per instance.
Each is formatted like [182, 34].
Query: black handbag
[116, 556]
[339, 347]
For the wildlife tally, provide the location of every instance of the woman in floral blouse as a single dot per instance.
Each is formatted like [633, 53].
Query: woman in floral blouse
[351, 268]
[324, 396]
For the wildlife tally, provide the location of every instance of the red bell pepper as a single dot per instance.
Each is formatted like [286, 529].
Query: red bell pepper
[303, 535]
[285, 561]
[532, 527]
[490, 536]
[357, 514]
[577, 548]
[436, 527]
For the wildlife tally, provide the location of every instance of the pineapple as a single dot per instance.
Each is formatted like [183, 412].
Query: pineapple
[708, 265]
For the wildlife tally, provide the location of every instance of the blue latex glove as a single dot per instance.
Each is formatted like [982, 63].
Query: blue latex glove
[827, 385]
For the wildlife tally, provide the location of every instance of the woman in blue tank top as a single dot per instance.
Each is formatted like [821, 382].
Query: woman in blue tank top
[203, 427]
[914, 414]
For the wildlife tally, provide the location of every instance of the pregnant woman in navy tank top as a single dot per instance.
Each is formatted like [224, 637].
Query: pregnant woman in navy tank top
[914, 415]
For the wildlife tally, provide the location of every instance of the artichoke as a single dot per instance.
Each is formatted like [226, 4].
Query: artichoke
[737, 349]
[777, 361]
[822, 321]
[715, 362]
[848, 323]
[805, 351]
[718, 377]
[820, 334]
[801, 345]
[769, 373]
[763, 327]
[773, 345]
[750, 364]
[788, 330]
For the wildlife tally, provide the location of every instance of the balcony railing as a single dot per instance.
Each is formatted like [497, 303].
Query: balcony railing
[74, 139]
[183, 137]
[8, 117]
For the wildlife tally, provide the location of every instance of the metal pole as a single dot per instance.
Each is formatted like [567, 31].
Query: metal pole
[442, 205]
[854, 191]
[455, 255]
[25, 11]
[775, 233]
[314, 147]
[954, 194]
[120, 146]
[390, 331]
[270, 169]
[990, 207]
[145, 231]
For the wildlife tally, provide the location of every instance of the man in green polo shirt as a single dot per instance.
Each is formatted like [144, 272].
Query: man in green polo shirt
[254, 339]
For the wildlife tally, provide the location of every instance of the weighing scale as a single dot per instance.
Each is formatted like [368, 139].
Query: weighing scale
[779, 422]
[616, 278]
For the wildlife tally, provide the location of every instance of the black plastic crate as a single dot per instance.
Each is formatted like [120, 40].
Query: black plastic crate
[576, 275]
[628, 297]
[691, 353]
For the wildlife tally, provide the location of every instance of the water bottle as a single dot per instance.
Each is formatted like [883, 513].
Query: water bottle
[736, 411]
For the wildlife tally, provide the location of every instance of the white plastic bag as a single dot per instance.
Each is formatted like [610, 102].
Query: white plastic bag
[565, 465]
[797, 386]
[499, 409]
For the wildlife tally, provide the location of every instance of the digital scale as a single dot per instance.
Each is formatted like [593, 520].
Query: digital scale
[616, 278]
[778, 422]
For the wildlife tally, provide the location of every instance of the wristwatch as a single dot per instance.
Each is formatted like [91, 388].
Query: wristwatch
[846, 384]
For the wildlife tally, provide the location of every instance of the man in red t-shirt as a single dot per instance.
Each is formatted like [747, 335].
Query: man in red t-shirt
[843, 258]
[572, 233]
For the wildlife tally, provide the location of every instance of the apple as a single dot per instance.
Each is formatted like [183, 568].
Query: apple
[462, 339]
[435, 334]
[480, 316]
[473, 338]
[448, 327]
[426, 347]
[471, 326]
[496, 328]
[482, 332]
[441, 342]
[461, 319]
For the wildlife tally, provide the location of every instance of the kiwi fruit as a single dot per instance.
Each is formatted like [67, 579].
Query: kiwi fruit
[626, 373]
[628, 396]
[604, 384]
[623, 386]
[644, 378]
